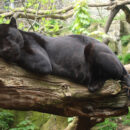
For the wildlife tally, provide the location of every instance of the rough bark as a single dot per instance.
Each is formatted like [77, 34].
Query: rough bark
[22, 90]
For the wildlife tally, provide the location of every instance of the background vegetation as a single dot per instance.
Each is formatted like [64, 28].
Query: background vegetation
[82, 22]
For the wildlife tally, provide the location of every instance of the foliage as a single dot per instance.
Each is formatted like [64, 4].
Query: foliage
[6, 120]
[125, 59]
[83, 21]
[125, 40]
[126, 119]
[51, 26]
[82, 18]
[120, 58]
[47, 26]
[70, 119]
[35, 3]
[100, 21]
[99, 35]
[3, 20]
[120, 17]
[112, 123]
[25, 125]
[108, 124]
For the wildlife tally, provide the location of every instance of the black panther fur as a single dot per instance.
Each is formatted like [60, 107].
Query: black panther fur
[77, 57]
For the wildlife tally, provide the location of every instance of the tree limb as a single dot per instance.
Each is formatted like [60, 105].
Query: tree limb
[127, 13]
[32, 16]
[110, 18]
[101, 4]
[21, 90]
[44, 12]
[119, 3]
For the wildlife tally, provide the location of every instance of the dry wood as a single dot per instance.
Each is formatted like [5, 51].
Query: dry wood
[21, 90]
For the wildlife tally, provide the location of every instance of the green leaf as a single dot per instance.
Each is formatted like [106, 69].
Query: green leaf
[70, 119]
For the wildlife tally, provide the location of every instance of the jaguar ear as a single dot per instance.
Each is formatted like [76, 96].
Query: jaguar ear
[13, 22]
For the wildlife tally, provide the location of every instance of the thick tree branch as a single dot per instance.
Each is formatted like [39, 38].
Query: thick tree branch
[21, 90]
[32, 16]
[127, 13]
[44, 12]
